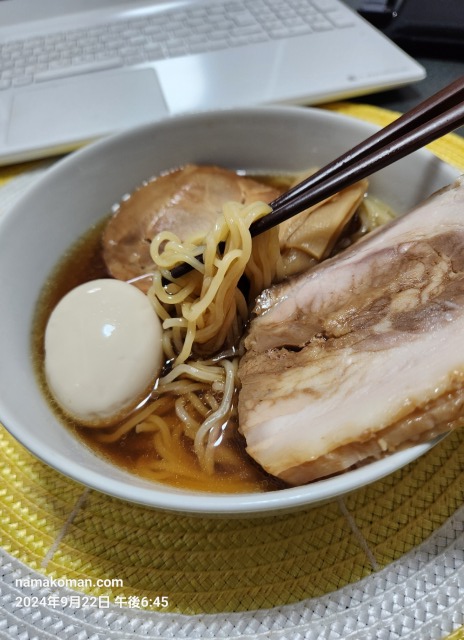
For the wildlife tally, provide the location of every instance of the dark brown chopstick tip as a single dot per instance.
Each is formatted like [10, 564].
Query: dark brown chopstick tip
[439, 114]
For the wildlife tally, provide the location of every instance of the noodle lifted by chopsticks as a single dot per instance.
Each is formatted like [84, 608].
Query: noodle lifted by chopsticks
[203, 312]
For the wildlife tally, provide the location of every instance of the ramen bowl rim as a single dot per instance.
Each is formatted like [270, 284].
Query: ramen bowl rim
[159, 496]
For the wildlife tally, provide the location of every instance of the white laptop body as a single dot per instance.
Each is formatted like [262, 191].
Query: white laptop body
[58, 110]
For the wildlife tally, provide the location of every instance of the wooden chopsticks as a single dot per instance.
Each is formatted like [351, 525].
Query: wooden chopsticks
[437, 115]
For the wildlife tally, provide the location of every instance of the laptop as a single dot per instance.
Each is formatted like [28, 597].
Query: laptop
[72, 71]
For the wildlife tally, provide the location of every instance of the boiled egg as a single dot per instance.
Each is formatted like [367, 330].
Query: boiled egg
[103, 350]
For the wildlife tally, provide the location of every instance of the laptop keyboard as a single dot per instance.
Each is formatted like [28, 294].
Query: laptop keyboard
[173, 33]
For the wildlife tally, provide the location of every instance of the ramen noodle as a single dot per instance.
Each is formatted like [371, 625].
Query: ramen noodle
[186, 431]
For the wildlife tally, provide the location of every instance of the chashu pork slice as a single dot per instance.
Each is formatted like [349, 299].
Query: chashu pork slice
[362, 355]
[186, 201]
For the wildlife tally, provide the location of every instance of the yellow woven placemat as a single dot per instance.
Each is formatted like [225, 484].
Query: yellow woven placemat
[132, 555]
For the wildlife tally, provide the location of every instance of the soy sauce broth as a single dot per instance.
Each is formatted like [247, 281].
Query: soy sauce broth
[134, 451]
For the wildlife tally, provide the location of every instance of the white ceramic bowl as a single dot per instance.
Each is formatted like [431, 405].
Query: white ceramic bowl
[81, 189]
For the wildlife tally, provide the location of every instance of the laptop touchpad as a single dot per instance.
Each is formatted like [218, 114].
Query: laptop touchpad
[84, 107]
